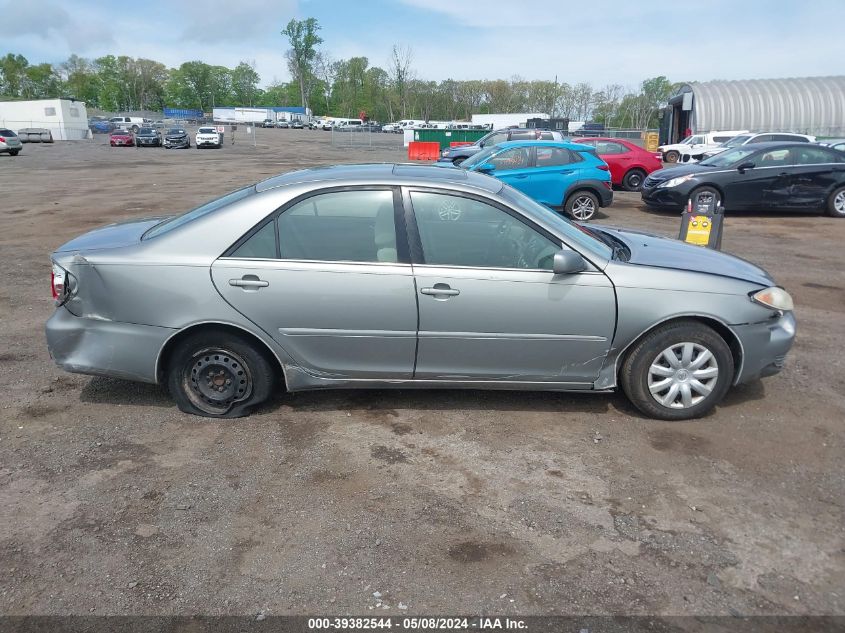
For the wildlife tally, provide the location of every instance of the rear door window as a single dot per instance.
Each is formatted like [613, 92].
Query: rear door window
[553, 156]
[352, 226]
[611, 147]
[813, 156]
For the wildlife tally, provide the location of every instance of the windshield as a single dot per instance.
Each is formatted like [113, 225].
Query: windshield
[729, 157]
[146, 130]
[208, 207]
[573, 234]
[480, 158]
[737, 140]
[176, 130]
[686, 141]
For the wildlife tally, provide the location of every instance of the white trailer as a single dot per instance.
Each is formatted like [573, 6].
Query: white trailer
[242, 115]
[65, 119]
[499, 121]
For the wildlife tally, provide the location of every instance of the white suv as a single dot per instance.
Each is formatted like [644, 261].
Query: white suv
[208, 137]
[695, 144]
[746, 139]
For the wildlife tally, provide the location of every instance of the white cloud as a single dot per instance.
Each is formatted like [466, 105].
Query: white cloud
[47, 21]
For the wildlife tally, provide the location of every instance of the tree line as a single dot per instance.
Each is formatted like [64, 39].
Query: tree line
[336, 87]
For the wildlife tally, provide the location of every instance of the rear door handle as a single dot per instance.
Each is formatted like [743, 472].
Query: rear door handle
[249, 281]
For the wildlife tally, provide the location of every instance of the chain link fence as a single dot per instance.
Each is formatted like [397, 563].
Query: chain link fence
[365, 137]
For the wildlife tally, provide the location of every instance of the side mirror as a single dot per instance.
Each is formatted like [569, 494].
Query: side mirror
[486, 168]
[567, 263]
[746, 165]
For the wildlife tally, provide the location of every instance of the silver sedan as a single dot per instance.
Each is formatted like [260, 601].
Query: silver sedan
[406, 276]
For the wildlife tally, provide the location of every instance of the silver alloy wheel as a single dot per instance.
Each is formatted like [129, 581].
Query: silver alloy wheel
[839, 202]
[583, 208]
[682, 375]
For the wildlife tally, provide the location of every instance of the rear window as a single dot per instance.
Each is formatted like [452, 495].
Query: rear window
[4, 132]
[190, 216]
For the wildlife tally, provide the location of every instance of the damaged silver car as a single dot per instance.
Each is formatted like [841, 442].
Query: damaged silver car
[407, 276]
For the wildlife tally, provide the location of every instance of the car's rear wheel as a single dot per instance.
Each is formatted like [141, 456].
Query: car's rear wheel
[581, 205]
[633, 180]
[678, 371]
[220, 375]
[836, 203]
[671, 156]
[14, 152]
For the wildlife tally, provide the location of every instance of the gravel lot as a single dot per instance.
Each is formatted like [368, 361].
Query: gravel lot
[114, 502]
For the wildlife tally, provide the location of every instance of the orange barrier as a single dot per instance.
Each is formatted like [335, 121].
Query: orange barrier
[459, 143]
[423, 150]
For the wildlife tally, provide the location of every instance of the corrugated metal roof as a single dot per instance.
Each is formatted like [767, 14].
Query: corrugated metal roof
[807, 105]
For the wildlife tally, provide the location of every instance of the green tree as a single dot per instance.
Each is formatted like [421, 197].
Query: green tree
[245, 84]
[303, 38]
[12, 74]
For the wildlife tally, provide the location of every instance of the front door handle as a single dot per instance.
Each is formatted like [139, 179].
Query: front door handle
[249, 282]
[440, 290]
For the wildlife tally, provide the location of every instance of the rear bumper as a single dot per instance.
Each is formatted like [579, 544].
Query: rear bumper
[105, 348]
[605, 197]
[764, 346]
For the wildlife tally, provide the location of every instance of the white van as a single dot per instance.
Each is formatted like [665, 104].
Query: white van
[697, 143]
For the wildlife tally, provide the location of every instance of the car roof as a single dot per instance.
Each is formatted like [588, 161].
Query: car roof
[384, 173]
[775, 144]
[578, 147]
[578, 139]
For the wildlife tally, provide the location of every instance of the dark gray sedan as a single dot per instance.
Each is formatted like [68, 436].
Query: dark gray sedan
[406, 276]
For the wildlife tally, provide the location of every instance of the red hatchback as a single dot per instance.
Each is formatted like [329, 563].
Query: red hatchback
[629, 163]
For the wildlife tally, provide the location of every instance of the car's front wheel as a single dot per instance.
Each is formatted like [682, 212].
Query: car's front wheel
[671, 156]
[836, 204]
[678, 371]
[581, 205]
[220, 375]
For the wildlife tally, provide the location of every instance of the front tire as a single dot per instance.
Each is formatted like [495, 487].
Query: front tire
[671, 156]
[836, 203]
[633, 180]
[678, 371]
[581, 206]
[707, 190]
[216, 374]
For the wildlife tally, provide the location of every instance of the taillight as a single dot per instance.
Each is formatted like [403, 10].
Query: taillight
[58, 282]
[2, 139]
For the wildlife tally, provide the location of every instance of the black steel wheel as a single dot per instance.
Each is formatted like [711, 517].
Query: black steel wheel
[217, 374]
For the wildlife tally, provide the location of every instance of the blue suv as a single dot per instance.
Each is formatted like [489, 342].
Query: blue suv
[557, 174]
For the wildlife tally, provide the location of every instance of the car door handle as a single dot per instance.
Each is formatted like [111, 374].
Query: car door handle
[440, 290]
[249, 281]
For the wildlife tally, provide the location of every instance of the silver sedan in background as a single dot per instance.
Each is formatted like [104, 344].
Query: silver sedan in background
[408, 276]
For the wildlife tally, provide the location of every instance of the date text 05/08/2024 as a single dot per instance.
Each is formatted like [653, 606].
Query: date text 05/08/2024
[418, 623]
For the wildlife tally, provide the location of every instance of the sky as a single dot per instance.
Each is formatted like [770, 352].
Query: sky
[600, 42]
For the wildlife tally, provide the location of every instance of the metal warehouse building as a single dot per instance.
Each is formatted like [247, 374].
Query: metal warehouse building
[807, 105]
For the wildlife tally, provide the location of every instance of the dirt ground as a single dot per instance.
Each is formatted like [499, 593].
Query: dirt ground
[114, 502]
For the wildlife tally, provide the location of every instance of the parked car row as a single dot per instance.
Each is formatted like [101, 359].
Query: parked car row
[174, 138]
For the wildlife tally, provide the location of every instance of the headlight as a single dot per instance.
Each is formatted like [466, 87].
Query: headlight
[774, 298]
[674, 182]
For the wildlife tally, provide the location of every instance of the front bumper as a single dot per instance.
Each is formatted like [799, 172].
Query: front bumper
[177, 143]
[665, 197]
[97, 347]
[764, 346]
